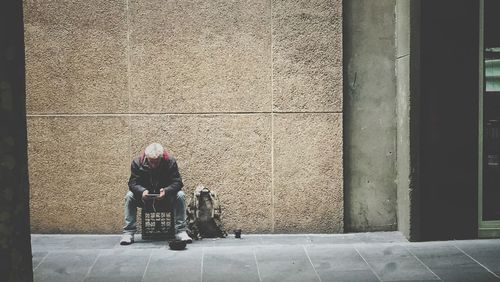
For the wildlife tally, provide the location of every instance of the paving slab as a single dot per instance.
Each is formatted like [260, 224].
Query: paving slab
[394, 263]
[380, 256]
[73, 242]
[269, 240]
[119, 265]
[339, 263]
[168, 265]
[355, 238]
[231, 241]
[284, 263]
[38, 257]
[147, 244]
[449, 263]
[349, 276]
[485, 252]
[230, 264]
[71, 265]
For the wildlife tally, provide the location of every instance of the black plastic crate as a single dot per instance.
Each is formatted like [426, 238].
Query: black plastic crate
[157, 225]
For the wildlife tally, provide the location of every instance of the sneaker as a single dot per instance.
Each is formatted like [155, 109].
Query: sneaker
[183, 236]
[127, 239]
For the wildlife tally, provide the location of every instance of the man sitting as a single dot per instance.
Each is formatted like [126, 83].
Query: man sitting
[154, 172]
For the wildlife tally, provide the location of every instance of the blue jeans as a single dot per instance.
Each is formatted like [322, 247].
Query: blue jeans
[131, 205]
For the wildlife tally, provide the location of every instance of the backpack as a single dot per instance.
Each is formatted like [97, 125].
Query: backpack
[204, 214]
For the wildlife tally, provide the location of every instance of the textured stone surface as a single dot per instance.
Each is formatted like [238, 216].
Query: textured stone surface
[307, 55]
[171, 64]
[76, 56]
[228, 153]
[78, 173]
[200, 56]
[308, 173]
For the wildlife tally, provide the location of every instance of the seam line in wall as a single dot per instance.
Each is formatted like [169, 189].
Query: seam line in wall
[172, 114]
[272, 114]
[127, 50]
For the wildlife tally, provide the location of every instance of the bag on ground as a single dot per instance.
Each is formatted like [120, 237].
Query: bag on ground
[204, 214]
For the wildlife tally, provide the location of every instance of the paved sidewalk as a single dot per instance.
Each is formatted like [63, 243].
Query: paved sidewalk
[381, 256]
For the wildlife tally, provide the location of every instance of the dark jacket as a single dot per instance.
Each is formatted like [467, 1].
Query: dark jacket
[166, 175]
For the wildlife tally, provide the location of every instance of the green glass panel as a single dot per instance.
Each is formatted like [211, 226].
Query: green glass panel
[492, 74]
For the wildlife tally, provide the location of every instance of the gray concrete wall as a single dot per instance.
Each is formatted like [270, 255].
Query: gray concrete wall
[403, 115]
[370, 127]
[246, 94]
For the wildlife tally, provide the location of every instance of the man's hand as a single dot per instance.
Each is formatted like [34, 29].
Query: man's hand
[144, 194]
[162, 193]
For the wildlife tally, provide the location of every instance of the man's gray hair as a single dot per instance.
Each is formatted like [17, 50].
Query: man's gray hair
[153, 151]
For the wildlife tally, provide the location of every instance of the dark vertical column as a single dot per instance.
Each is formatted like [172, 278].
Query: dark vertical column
[414, 192]
[15, 247]
[491, 114]
[448, 119]
[414, 228]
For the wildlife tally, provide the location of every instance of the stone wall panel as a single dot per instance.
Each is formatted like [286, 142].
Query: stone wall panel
[78, 169]
[308, 189]
[307, 55]
[200, 56]
[228, 153]
[76, 59]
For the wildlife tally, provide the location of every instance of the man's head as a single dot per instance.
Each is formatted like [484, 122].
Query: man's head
[153, 154]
